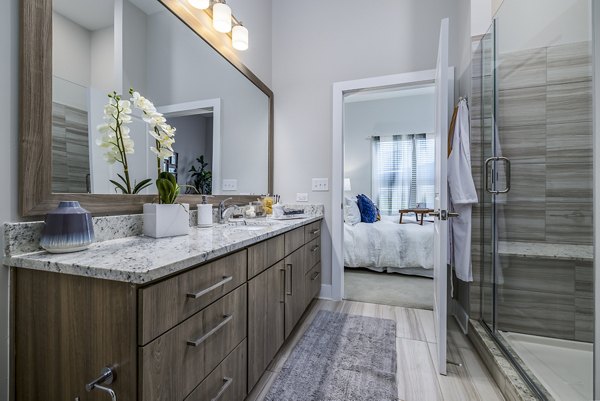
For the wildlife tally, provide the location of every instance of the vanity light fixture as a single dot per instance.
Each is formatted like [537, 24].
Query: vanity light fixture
[199, 4]
[222, 17]
[239, 37]
[223, 21]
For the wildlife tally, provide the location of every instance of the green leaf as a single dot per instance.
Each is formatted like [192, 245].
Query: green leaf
[141, 185]
[118, 185]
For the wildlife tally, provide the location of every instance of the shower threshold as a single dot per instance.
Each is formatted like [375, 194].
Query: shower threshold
[563, 367]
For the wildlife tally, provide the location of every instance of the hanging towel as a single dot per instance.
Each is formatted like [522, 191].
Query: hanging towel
[462, 193]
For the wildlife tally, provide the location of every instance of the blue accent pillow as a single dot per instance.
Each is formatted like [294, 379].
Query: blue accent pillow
[368, 210]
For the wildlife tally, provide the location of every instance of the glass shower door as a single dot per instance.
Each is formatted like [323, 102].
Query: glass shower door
[536, 198]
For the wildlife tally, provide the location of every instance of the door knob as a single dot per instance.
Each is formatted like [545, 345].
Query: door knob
[443, 214]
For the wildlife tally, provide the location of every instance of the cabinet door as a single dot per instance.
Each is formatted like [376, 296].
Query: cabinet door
[266, 299]
[294, 289]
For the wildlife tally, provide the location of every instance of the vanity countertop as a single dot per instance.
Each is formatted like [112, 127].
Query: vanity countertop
[140, 259]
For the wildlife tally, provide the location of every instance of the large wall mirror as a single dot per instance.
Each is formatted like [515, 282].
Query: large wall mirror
[75, 52]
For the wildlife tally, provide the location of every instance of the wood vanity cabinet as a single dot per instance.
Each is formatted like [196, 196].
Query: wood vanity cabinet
[278, 297]
[206, 333]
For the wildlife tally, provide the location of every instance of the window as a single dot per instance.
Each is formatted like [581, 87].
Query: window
[403, 172]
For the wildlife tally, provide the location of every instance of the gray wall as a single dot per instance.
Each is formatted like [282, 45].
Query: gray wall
[384, 117]
[9, 79]
[317, 43]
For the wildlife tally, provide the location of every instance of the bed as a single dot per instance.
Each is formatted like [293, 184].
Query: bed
[386, 246]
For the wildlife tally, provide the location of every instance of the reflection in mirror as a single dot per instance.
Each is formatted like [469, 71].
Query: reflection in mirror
[222, 118]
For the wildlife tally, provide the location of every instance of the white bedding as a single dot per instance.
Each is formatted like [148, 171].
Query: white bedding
[388, 246]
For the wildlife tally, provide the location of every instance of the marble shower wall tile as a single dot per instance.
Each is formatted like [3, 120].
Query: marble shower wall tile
[524, 144]
[569, 102]
[570, 142]
[523, 69]
[569, 63]
[548, 276]
[569, 223]
[537, 313]
[569, 182]
[522, 107]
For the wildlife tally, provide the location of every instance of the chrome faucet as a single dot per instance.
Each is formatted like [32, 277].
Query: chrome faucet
[223, 211]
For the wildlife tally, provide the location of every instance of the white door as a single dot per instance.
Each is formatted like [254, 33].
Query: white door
[440, 240]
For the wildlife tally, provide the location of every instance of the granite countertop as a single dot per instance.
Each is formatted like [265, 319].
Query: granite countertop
[544, 250]
[140, 259]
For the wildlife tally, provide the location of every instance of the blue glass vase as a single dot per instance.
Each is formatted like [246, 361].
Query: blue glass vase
[68, 228]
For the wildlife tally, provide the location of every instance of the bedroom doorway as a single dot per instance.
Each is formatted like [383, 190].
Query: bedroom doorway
[383, 148]
[389, 163]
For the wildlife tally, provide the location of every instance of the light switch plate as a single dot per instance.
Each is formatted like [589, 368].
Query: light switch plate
[320, 184]
[301, 197]
[229, 185]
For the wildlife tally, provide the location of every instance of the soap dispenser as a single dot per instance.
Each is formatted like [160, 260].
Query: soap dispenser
[205, 215]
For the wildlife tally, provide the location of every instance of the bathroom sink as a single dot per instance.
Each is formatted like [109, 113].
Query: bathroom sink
[249, 228]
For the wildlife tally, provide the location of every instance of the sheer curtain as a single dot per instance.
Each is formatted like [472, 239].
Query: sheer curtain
[402, 172]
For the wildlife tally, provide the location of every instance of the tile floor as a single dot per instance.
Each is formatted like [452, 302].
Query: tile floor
[564, 367]
[417, 377]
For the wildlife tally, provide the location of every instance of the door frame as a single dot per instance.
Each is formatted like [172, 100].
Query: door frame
[198, 107]
[337, 155]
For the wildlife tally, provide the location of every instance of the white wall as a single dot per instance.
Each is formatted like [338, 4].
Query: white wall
[481, 16]
[317, 43]
[71, 54]
[9, 80]
[395, 116]
[556, 22]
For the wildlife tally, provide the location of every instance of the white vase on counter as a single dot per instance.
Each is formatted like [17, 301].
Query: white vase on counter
[162, 220]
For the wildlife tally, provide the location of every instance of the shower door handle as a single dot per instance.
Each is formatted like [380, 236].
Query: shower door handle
[488, 163]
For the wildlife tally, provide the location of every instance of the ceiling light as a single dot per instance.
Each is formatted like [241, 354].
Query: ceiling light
[239, 37]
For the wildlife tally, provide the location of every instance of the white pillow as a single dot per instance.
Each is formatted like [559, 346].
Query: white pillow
[351, 211]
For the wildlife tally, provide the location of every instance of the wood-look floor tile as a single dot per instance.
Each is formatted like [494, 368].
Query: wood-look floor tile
[408, 324]
[417, 377]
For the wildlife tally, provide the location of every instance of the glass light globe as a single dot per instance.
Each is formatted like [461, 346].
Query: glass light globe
[222, 17]
[239, 37]
[199, 4]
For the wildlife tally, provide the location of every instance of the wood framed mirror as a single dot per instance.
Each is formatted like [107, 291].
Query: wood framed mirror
[38, 189]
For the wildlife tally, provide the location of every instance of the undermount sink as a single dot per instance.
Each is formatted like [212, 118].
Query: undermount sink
[249, 228]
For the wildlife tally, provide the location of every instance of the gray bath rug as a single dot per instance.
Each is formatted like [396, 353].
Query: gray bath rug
[340, 357]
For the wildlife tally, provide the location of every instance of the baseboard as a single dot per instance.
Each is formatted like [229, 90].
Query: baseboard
[460, 314]
[325, 291]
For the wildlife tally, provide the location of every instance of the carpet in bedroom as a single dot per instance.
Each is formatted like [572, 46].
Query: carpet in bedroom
[388, 289]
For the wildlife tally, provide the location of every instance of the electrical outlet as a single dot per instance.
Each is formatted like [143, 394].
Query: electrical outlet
[320, 184]
[229, 185]
[301, 197]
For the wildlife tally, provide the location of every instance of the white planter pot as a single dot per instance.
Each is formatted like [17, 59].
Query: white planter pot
[166, 220]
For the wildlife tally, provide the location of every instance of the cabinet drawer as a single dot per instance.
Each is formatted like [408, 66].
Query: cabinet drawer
[313, 283]
[264, 255]
[165, 304]
[312, 231]
[227, 382]
[312, 253]
[175, 363]
[293, 240]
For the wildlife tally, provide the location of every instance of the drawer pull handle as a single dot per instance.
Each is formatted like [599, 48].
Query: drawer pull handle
[195, 343]
[283, 269]
[221, 283]
[289, 292]
[315, 248]
[226, 383]
[314, 277]
[314, 232]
